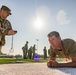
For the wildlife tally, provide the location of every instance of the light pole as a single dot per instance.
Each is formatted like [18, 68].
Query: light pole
[37, 58]
[37, 45]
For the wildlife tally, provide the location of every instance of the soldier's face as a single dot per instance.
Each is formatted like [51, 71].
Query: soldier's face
[54, 41]
[5, 14]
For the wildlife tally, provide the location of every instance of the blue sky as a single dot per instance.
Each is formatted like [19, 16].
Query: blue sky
[34, 19]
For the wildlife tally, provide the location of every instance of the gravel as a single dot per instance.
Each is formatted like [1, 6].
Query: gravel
[34, 69]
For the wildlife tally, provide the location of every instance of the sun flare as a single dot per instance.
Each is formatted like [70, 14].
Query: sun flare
[38, 23]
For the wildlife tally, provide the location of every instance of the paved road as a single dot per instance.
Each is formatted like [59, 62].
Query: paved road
[34, 69]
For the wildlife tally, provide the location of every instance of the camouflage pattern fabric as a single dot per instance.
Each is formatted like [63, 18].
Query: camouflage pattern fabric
[4, 23]
[69, 49]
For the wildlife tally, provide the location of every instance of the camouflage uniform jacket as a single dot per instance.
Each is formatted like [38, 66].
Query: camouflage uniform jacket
[69, 49]
[4, 23]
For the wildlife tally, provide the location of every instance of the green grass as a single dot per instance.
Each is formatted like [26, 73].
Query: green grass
[14, 60]
[6, 60]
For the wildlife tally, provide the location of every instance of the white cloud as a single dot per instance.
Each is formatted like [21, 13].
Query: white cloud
[62, 18]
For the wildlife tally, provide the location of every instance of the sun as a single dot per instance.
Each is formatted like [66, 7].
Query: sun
[38, 23]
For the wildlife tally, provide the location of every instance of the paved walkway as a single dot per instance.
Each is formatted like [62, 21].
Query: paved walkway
[34, 69]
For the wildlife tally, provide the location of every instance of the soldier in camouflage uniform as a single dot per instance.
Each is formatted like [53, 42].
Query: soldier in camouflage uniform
[34, 49]
[45, 52]
[30, 53]
[25, 50]
[5, 25]
[65, 48]
[49, 52]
